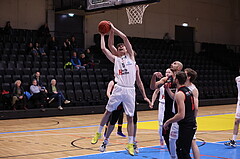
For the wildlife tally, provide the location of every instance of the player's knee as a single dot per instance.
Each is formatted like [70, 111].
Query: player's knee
[237, 121]
[129, 118]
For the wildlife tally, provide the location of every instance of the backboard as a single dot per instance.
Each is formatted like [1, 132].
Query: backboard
[93, 5]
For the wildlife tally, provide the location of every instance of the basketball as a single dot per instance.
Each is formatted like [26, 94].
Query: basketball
[104, 27]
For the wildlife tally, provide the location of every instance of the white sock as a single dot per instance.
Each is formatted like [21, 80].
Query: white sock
[106, 141]
[172, 147]
[134, 139]
[130, 139]
[234, 137]
[100, 129]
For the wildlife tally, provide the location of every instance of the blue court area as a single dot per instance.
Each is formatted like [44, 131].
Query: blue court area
[208, 151]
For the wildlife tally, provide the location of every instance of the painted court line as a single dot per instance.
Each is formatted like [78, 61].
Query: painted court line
[208, 151]
[87, 126]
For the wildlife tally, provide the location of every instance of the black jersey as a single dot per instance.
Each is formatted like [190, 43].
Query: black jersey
[168, 100]
[189, 106]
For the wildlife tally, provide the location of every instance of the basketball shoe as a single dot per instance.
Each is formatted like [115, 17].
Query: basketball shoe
[161, 142]
[231, 143]
[121, 134]
[135, 146]
[103, 147]
[130, 149]
[95, 138]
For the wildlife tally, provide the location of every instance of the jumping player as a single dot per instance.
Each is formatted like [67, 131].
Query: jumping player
[115, 115]
[176, 66]
[232, 142]
[124, 90]
[161, 106]
[117, 112]
[185, 116]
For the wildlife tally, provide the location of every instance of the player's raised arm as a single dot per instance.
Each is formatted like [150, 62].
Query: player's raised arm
[155, 84]
[109, 55]
[125, 41]
[111, 42]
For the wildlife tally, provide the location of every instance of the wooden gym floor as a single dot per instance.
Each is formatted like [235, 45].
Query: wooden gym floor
[63, 137]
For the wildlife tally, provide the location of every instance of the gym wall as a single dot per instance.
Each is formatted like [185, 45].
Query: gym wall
[23, 14]
[214, 21]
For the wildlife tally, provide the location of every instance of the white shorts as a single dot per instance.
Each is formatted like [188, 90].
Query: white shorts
[174, 131]
[161, 109]
[238, 110]
[124, 95]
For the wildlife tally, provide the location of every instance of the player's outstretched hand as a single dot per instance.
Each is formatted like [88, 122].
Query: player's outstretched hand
[165, 126]
[149, 102]
[112, 27]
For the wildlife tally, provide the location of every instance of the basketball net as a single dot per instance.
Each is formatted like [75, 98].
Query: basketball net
[135, 13]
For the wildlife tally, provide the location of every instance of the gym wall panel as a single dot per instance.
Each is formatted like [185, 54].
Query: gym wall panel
[23, 14]
[214, 21]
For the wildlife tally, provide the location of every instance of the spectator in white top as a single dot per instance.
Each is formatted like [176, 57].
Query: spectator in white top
[38, 94]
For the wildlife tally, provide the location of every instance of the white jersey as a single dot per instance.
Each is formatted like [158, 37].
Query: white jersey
[238, 86]
[161, 105]
[192, 87]
[125, 71]
[161, 94]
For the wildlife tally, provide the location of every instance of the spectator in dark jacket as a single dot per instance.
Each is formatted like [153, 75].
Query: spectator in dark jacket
[18, 95]
[29, 48]
[67, 46]
[8, 28]
[53, 44]
[76, 61]
[37, 77]
[39, 49]
[43, 31]
[56, 94]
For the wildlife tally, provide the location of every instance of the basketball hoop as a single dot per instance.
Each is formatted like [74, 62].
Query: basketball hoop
[135, 13]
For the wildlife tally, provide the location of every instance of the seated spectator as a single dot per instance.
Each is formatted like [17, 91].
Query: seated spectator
[8, 28]
[76, 61]
[56, 94]
[37, 77]
[73, 42]
[18, 95]
[38, 93]
[88, 56]
[34, 50]
[52, 44]
[29, 48]
[67, 45]
[75, 46]
[85, 61]
[39, 49]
